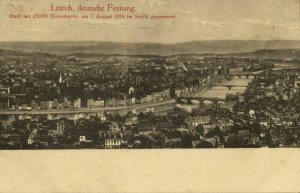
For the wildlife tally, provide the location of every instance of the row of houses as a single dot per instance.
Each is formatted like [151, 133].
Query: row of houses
[91, 103]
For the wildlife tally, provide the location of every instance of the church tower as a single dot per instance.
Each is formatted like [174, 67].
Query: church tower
[60, 78]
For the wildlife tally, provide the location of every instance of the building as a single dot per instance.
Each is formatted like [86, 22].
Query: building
[84, 139]
[91, 103]
[200, 120]
[77, 103]
[131, 90]
[113, 143]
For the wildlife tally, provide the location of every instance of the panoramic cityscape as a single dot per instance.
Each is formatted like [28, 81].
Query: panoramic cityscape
[150, 96]
[101, 101]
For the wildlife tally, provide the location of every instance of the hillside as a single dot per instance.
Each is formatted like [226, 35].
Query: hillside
[109, 48]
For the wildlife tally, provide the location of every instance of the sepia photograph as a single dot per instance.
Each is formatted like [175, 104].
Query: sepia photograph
[218, 74]
[149, 96]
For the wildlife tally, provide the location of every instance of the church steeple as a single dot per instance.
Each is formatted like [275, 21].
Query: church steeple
[60, 78]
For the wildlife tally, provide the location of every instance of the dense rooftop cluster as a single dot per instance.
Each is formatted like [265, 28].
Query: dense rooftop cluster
[266, 115]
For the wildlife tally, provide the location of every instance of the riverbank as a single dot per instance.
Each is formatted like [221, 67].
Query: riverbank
[87, 110]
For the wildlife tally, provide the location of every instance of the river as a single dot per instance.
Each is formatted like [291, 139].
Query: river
[239, 86]
[215, 91]
[8, 119]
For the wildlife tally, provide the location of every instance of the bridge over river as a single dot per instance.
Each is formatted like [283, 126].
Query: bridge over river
[229, 86]
[216, 92]
[190, 100]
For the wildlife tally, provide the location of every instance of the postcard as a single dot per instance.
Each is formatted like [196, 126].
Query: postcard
[127, 95]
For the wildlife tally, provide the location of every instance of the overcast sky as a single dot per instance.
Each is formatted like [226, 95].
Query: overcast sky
[195, 20]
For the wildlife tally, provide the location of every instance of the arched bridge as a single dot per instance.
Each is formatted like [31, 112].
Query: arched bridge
[200, 99]
[246, 75]
[229, 86]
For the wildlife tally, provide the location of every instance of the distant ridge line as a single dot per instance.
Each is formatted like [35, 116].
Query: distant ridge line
[112, 48]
